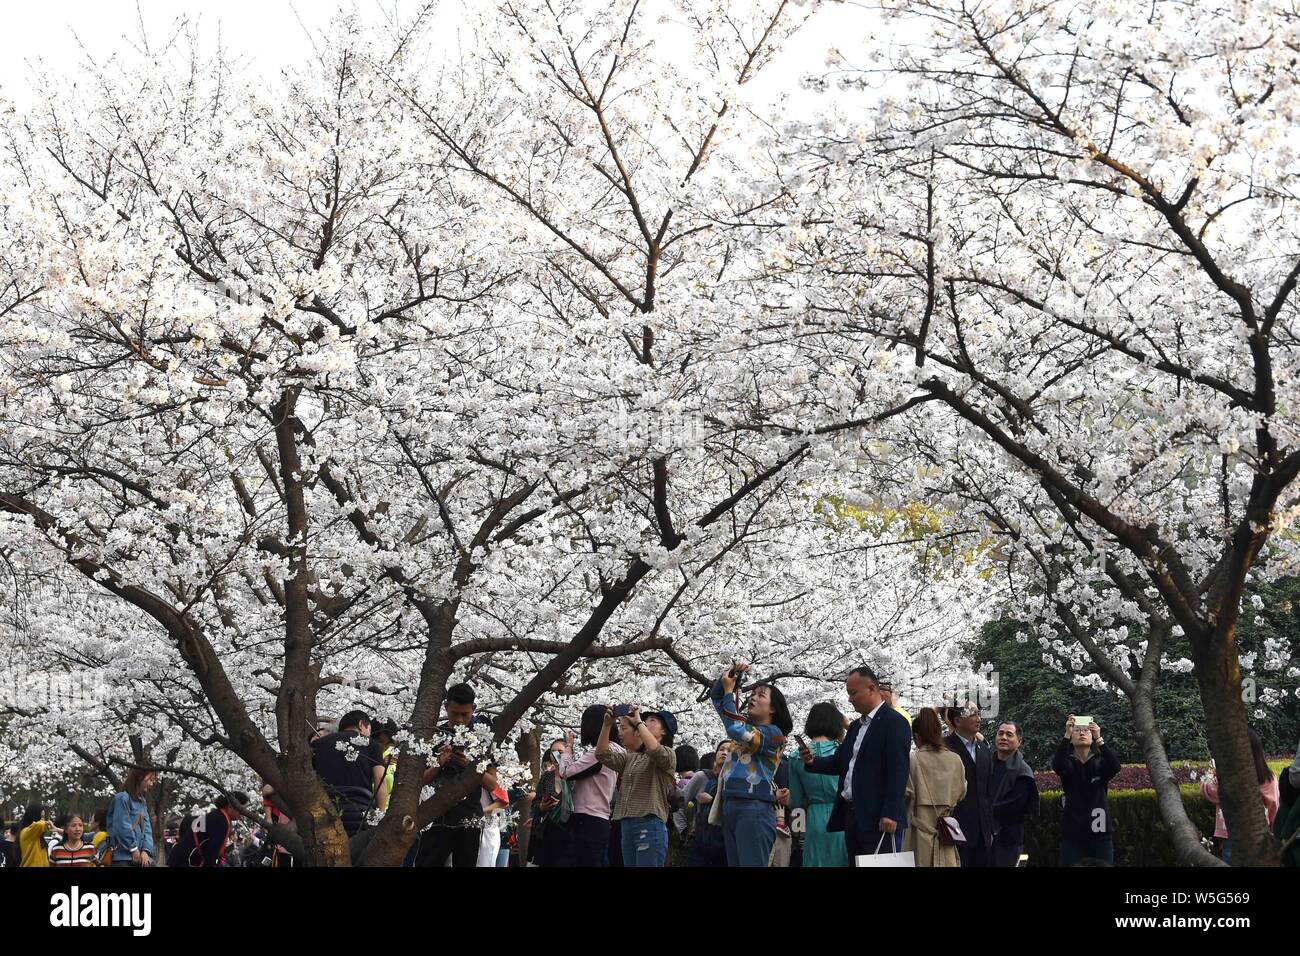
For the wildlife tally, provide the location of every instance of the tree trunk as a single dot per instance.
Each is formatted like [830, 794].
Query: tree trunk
[1218, 672]
[1184, 834]
[324, 840]
[529, 749]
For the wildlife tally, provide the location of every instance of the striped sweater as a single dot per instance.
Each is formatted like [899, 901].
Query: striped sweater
[751, 766]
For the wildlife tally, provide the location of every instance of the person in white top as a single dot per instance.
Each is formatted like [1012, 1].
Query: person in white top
[495, 809]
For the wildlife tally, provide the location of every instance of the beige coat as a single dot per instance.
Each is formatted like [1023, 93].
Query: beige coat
[935, 784]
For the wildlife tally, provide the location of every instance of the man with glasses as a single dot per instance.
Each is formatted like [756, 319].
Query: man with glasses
[975, 812]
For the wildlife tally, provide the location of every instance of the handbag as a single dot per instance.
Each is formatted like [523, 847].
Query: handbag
[947, 829]
[894, 857]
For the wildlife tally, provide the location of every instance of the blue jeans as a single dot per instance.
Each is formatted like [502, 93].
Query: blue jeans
[749, 829]
[1097, 847]
[645, 841]
[1227, 850]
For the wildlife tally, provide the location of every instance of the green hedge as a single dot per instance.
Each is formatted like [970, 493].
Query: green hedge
[1140, 835]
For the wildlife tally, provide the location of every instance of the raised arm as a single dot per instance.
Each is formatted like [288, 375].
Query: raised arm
[749, 739]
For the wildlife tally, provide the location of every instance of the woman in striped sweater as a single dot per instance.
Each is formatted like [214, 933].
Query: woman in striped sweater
[747, 787]
[72, 850]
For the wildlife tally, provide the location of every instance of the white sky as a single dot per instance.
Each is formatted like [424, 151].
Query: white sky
[273, 33]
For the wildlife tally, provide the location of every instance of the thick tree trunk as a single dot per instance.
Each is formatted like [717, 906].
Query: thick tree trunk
[1218, 672]
[325, 842]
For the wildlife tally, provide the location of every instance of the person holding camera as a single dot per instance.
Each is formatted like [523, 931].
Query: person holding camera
[647, 764]
[1085, 765]
[747, 788]
[550, 843]
[592, 785]
[32, 833]
[458, 832]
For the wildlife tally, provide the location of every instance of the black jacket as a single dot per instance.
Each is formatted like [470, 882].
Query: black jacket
[1084, 785]
[1014, 797]
[975, 812]
[202, 841]
[470, 807]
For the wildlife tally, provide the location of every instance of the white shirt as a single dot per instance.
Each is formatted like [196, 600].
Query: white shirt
[847, 791]
[970, 746]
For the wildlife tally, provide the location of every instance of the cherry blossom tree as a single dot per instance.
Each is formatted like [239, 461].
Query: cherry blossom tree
[1066, 232]
[398, 373]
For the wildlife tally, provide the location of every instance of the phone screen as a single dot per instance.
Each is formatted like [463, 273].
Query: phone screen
[1082, 721]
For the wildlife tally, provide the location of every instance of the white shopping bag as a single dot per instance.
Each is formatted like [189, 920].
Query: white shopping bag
[889, 858]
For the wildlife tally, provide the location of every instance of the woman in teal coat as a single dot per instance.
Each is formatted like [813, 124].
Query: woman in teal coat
[815, 793]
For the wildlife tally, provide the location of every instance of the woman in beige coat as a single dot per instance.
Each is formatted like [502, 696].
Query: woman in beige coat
[935, 784]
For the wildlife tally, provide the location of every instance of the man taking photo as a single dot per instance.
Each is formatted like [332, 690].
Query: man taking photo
[456, 833]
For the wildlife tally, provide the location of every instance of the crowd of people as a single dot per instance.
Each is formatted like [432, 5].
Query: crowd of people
[880, 788]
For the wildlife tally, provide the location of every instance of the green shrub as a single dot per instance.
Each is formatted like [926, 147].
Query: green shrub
[1140, 835]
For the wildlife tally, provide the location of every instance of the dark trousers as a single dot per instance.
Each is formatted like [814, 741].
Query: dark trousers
[1007, 854]
[708, 847]
[1097, 847]
[614, 850]
[590, 839]
[860, 842]
[556, 848]
[973, 852]
[458, 841]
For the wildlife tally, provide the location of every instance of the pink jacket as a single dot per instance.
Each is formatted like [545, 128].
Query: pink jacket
[591, 795]
[1210, 790]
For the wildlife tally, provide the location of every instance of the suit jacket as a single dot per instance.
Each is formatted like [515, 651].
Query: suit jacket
[879, 776]
[975, 812]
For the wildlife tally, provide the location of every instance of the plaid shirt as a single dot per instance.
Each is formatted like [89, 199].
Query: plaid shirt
[646, 779]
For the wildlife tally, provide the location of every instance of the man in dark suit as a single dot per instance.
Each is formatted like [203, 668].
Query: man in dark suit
[872, 764]
[975, 812]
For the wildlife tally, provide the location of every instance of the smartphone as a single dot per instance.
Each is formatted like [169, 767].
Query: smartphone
[802, 743]
[1082, 721]
[1023, 860]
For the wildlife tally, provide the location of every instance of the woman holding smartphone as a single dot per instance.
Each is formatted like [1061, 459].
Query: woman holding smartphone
[1085, 765]
[747, 789]
[647, 766]
[816, 793]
